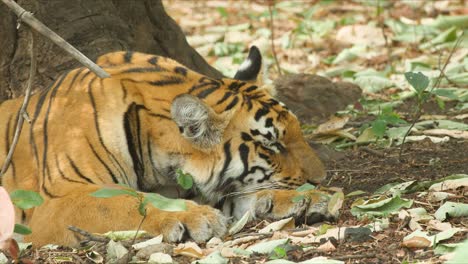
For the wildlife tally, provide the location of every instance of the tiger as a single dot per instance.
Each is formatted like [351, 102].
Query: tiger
[153, 116]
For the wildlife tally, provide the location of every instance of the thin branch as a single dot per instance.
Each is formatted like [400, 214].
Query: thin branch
[358, 256]
[272, 29]
[29, 19]
[88, 235]
[129, 256]
[22, 112]
[436, 84]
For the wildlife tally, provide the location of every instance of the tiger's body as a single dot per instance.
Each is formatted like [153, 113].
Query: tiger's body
[137, 127]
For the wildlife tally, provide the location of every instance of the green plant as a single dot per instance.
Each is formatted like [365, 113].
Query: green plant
[156, 200]
[385, 117]
[419, 82]
[279, 252]
[185, 180]
[303, 188]
[24, 200]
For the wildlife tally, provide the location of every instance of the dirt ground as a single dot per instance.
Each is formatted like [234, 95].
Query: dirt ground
[367, 168]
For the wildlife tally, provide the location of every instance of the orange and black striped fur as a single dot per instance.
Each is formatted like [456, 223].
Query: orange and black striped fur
[151, 117]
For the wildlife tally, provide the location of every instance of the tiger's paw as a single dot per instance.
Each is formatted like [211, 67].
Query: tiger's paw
[199, 222]
[306, 207]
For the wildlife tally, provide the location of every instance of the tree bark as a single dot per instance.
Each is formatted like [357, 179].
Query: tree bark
[94, 27]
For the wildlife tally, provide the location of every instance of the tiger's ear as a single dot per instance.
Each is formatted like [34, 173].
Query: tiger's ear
[198, 122]
[250, 68]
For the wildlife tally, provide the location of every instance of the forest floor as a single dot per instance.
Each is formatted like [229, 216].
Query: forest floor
[371, 44]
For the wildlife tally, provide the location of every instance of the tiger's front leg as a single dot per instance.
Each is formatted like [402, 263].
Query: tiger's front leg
[311, 207]
[50, 221]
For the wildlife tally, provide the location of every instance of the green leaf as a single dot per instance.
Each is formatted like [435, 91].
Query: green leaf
[461, 254]
[165, 204]
[440, 103]
[445, 93]
[214, 257]
[442, 123]
[185, 180]
[22, 229]
[377, 207]
[111, 192]
[451, 209]
[298, 198]
[305, 187]
[268, 246]
[418, 80]
[279, 252]
[449, 21]
[142, 207]
[443, 249]
[222, 11]
[378, 127]
[355, 193]
[448, 35]
[24, 199]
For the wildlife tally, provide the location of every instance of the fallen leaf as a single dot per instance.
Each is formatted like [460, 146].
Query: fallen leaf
[451, 209]
[460, 254]
[326, 247]
[189, 249]
[361, 34]
[115, 251]
[214, 257]
[416, 242]
[214, 242]
[446, 132]
[160, 258]
[335, 123]
[149, 242]
[321, 260]
[228, 252]
[95, 257]
[236, 227]
[438, 225]
[419, 214]
[450, 184]
[267, 247]
[335, 203]
[435, 140]
[379, 207]
[124, 235]
[434, 239]
[438, 196]
[241, 240]
[278, 225]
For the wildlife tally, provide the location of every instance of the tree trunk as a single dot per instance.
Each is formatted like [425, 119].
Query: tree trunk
[94, 27]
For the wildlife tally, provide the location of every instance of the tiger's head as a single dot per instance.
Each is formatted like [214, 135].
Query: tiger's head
[246, 140]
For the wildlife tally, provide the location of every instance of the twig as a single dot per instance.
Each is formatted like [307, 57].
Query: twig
[358, 256]
[405, 223]
[272, 29]
[22, 112]
[134, 238]
[436, 83]
[373, 152]
[88, 235]
[29, 19]
[382, 26]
